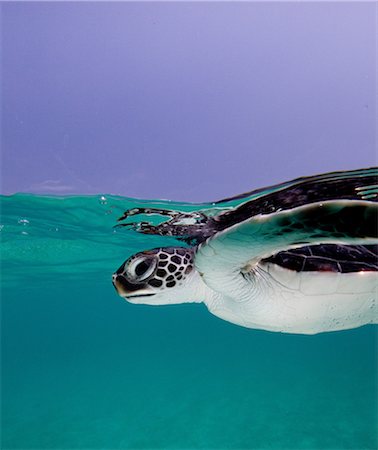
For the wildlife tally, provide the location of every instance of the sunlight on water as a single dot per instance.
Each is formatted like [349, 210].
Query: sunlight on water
[81, 368]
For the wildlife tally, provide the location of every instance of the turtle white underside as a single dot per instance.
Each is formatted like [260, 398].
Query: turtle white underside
[301, 302]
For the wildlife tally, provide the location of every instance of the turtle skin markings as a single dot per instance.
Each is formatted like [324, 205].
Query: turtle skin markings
[175, 263]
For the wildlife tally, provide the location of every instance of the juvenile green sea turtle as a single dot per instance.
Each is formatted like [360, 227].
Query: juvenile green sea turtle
[299, 257]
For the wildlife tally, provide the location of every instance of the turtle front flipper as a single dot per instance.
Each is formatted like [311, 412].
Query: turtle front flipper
[229, 256]
[191, 227]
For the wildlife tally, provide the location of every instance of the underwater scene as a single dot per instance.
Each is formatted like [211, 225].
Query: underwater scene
[81, 368]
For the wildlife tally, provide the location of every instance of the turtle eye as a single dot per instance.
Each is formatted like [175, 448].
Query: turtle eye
[141, 268]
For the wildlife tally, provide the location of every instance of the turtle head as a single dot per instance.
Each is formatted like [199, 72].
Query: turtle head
[156, 277]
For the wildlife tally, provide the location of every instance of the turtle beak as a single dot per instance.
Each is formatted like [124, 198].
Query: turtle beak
[126, 289]
[119, 285]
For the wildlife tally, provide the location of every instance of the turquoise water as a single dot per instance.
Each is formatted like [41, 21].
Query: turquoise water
[82, 368]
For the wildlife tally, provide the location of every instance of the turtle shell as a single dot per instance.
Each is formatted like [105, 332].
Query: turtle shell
[328, 258]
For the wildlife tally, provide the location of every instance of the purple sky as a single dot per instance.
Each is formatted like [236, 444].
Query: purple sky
[186, 101]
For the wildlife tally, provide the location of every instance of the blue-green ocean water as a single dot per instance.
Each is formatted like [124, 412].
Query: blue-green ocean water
[82, 368]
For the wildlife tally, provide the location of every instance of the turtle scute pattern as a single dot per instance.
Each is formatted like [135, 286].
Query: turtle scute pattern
[174, 265]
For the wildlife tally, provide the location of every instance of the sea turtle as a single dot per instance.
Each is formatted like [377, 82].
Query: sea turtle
[299, 257]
